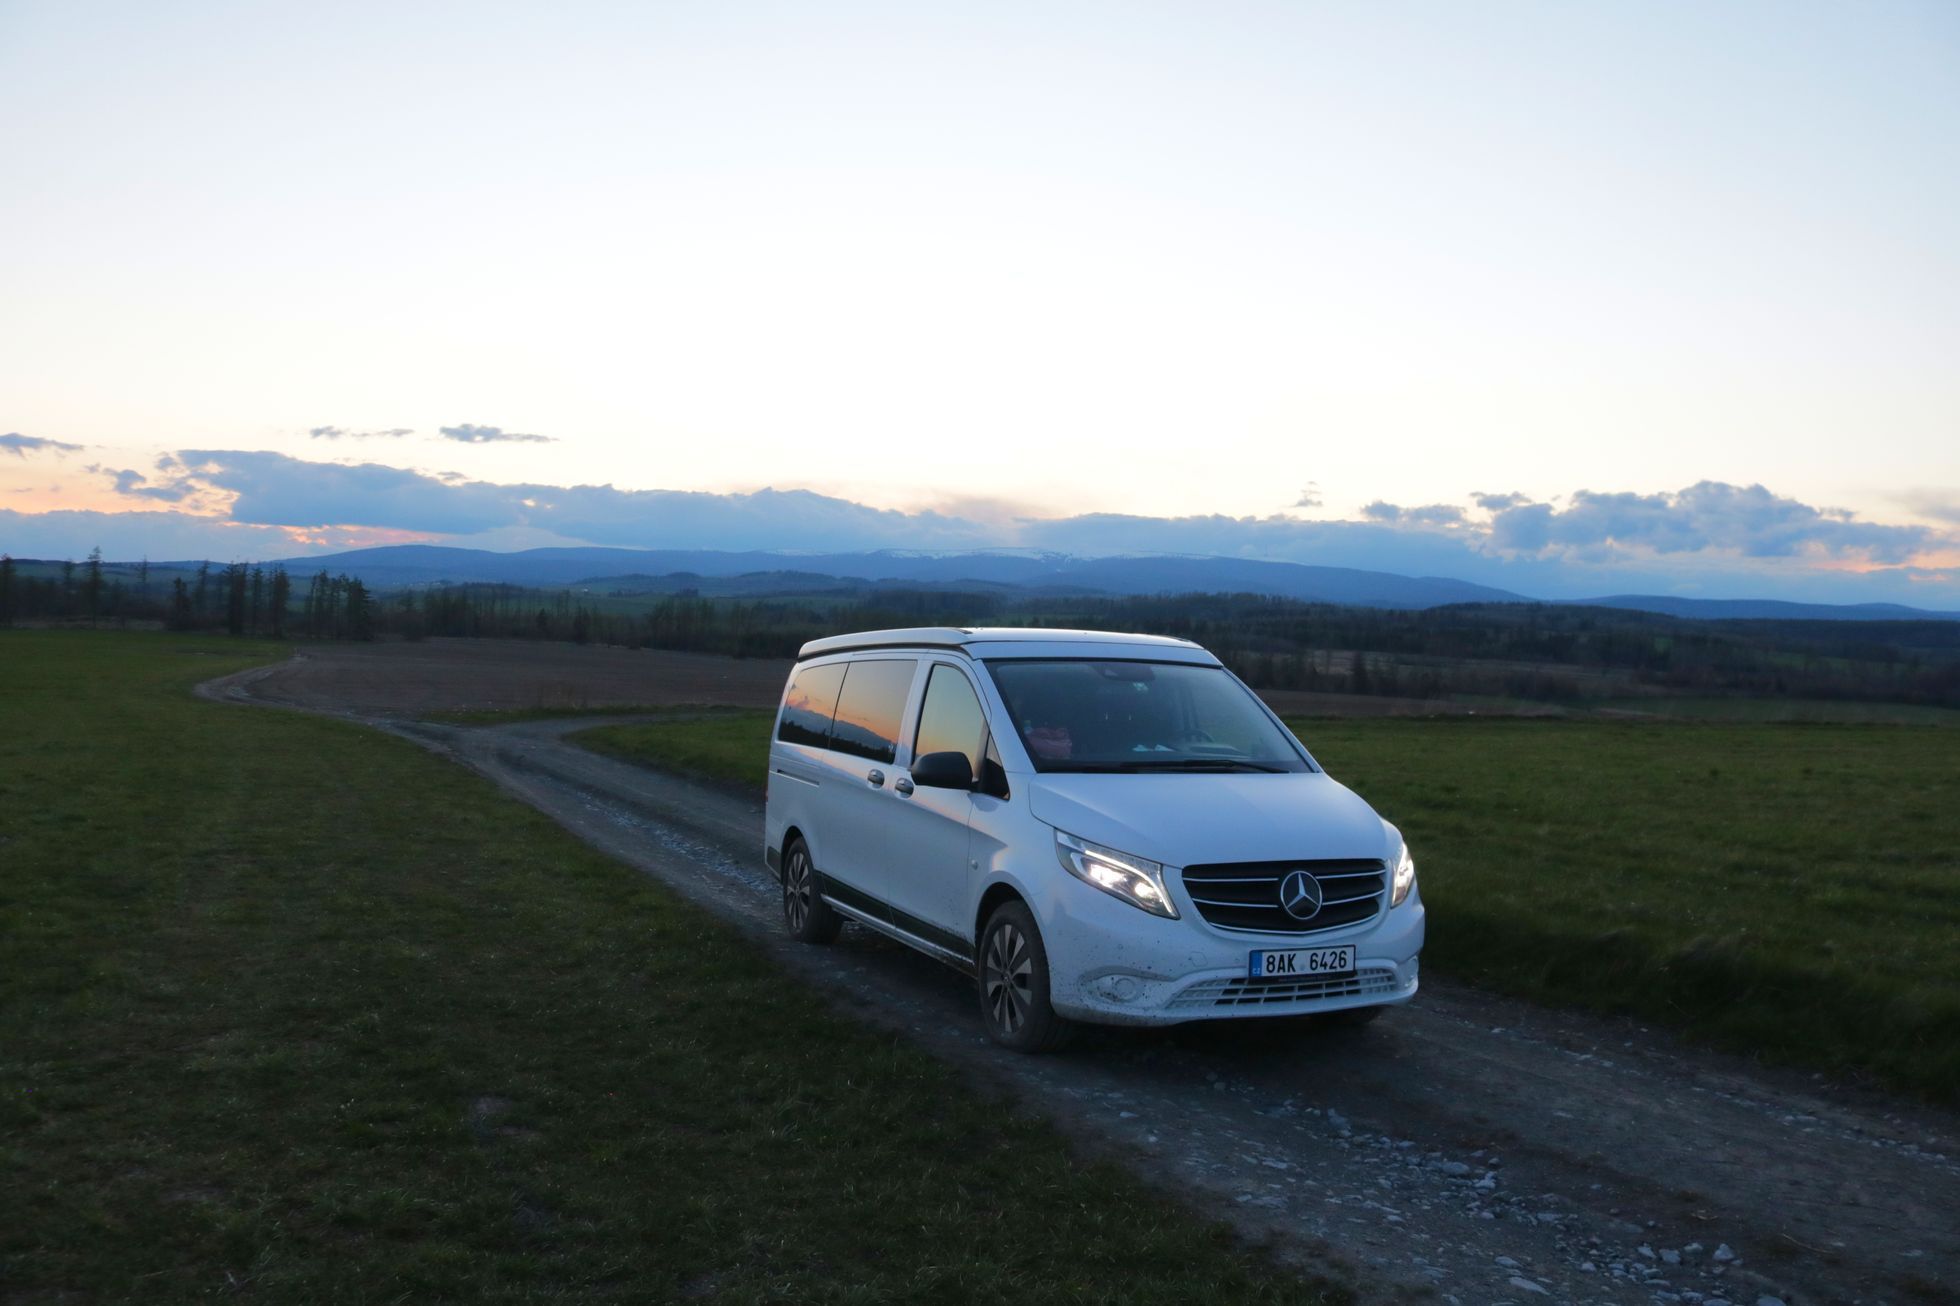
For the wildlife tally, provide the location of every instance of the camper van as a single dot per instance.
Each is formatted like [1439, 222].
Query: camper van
[1095, 827]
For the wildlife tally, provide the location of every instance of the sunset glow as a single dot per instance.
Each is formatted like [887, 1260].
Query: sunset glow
[1309, 283]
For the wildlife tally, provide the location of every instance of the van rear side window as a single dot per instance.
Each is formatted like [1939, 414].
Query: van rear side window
[871, 707]
[809, 703]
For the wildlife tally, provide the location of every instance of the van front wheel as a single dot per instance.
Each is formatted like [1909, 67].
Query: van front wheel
[808, 916]
[1013, 975]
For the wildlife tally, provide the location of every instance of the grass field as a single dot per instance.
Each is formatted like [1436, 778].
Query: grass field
[292, 1008]
[1785, 890]
[1781, 710]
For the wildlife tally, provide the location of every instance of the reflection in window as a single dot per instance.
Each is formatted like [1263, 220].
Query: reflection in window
[870, 708]
[950, 721]
[809, 703]
[1122, 715]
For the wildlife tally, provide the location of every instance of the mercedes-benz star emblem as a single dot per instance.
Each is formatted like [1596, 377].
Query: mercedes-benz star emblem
[1299, 894]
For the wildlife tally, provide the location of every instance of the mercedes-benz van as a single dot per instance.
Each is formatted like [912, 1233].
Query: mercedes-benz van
[1096, 827]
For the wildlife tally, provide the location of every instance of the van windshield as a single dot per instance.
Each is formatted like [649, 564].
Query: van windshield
[1083, 715]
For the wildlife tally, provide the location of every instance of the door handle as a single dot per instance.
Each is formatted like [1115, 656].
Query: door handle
[876, 779]
[903, 785]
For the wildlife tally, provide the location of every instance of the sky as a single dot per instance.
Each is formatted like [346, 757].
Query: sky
[1565, 298]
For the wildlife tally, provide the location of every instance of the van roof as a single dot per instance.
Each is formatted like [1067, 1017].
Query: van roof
[968, 637]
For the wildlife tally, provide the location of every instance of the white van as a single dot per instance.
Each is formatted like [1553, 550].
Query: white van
[1098, 827]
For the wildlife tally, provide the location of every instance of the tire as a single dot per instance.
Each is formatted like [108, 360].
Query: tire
[1013, 984]
[809, 917]
[1356, 1015]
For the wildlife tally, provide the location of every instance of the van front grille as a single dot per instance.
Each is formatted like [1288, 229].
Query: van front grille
[1248, 895]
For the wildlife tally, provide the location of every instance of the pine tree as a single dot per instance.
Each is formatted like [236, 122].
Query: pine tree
[235, 598]
[201, 600]
[6, 589]
[92, 585]
[360, 610]
[316, 599]
[255, 617]
[182, 616]
[282, 592]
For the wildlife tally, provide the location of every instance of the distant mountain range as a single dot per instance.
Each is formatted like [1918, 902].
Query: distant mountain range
[415, 564]
[666, 571]
[1766, 609]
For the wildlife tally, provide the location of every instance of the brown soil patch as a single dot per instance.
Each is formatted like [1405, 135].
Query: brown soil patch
[470, 675]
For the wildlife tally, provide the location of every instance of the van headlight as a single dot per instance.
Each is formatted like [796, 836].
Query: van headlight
[1405, 878]
[1136, 880]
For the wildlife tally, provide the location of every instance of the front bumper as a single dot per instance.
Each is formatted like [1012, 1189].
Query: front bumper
[1114, 965]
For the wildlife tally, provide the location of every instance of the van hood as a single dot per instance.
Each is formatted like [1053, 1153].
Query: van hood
[1193, 819]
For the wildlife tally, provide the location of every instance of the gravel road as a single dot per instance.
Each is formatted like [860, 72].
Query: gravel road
[1464, 1149]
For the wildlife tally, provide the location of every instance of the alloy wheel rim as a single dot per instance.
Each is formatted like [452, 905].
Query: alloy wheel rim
[796, 898]
[1009, 979]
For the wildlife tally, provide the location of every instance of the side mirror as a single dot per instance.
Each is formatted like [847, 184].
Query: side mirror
[943, 771]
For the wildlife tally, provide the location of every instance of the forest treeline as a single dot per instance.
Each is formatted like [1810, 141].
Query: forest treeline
[1541, 652]
[237, 598]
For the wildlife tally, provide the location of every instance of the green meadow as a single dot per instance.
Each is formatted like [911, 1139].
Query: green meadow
[292, 1009]
[1786, 890]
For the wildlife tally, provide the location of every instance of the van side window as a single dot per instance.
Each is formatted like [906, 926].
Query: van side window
[809, 703]
[950, 720]
[871, 707]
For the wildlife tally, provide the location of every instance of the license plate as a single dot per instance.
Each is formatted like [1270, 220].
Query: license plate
[1302, 962]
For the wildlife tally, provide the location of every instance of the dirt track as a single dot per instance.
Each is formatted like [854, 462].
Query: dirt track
[1465, 1149]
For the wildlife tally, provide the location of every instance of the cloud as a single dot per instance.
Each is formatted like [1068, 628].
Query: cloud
[1709, 516]
[992, 510]
[1429, 514]
[1939, 504]
[1523, 529]
[342, 433]
[1309, 497]
[1434, 514]
[1498, 502]
[160, 535]
[272, 489]
[19, 445]
[469, 433]
[277, 490]
[137, 486]
[1711, 539]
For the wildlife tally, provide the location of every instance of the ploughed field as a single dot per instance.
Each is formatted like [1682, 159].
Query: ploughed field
[293, 1009]
[1786, 890]
[463, 680]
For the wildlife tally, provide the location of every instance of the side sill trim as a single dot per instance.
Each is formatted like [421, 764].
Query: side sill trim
[958, 962]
